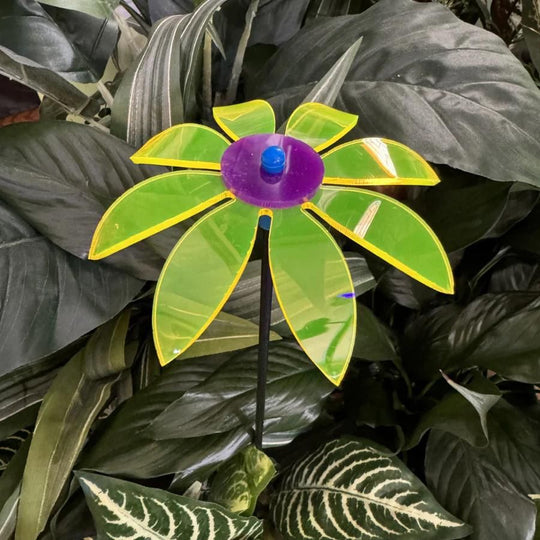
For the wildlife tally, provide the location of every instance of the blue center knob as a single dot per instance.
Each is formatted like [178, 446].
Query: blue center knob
[273, 160]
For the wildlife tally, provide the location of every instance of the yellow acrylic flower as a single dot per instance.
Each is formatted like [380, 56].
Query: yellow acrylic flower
[281, 179]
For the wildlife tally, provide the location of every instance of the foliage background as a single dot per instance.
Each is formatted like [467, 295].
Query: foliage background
[446, 384]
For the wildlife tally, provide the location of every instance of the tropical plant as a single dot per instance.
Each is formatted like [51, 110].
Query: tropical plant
[433, 432]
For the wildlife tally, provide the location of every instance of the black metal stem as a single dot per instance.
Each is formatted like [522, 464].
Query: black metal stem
[264, 338]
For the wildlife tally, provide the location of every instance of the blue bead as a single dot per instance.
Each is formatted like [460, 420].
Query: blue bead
[273, 160]
[265, 222]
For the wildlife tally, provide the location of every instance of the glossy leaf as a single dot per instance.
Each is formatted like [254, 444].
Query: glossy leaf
[327, 89]
[314, 289]
[531, 29]
[455, 413]
[185, 145]
[80, 171]
[419, 83]
[474, 489]
[355, 489]
[514, 442]
[463, 208]
[73, 402]
[73, 45]
[154, 205]
[195, 435]
[499, 331]
[374, 340]
[199, 275]
[389, 229]
[143, 108]
[319, 125]
[239, 481]
[101, 9]
[226, 333]
[375, 162]
[126, 510]
[51, 298]
[243, 119]
[48, 83]
[10, 490]
[482, 402]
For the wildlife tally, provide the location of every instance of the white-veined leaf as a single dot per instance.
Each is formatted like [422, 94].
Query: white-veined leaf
[132, 512]
[240, 480]
[355, 489]
[159, 90]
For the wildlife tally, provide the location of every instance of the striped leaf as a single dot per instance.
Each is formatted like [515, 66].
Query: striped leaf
[355, 489]
[126, 510]
[240, 480]
[159, 90]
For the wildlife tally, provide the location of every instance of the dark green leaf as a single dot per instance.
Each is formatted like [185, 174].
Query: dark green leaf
[455, 413]
[462, 208]
[356, 489]
[220, 391]
[531, 29]
[143, 108]
[499, 332]
[373, 339]
[73, 45]
[50, 298]
[481, 401]
[59, 173]
[327, 89]
[524, 236]
[472, 488]
[419, 83]
[100, 8]
[127, 510]
[514, 442]
[50, 84]
[240, 480]
[69, 408]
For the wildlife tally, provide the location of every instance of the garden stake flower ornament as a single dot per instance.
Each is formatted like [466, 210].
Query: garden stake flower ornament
[282, 177]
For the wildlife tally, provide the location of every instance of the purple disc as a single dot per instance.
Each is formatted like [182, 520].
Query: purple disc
[245, 177]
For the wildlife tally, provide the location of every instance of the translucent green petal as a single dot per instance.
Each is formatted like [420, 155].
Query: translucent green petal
[389, 229]
[245, 119]
[200, 274]
[376, 162]
[314, 289]
[184, 145]
[319, 125]
[154, 205]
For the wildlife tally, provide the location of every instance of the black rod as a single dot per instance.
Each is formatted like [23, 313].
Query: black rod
[264, 338]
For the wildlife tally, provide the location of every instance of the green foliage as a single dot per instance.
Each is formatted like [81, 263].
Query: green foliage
[240, 480]
[348, 489]
[444, 384]
[123, 509]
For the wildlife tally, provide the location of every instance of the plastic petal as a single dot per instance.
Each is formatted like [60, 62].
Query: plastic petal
[376, 162]
[389, 229]
[154, 205]
[314, 289]
[319, 125]
[184, 145]
[245, 119]
[199, 275]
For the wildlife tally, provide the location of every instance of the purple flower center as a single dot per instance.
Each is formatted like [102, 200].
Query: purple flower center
[271, 170]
